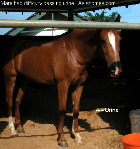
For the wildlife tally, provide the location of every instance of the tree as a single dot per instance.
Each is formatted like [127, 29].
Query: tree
[101, 17]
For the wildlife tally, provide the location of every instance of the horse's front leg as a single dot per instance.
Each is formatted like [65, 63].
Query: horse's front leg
[62, 97]
[76, 95]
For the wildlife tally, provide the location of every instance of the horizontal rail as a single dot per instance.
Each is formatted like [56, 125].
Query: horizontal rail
[67, 24]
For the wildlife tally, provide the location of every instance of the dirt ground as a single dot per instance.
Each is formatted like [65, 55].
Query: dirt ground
[100, 130]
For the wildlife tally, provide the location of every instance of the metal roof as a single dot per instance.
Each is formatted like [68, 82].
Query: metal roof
[62, 6]
[39, 16]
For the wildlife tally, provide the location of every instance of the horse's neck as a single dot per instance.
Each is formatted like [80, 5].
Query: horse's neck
[86, 42]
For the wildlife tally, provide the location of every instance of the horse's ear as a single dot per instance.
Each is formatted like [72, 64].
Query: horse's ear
[118, 18]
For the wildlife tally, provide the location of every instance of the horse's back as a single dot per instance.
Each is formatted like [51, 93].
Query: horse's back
[38, 60]
[45, 62]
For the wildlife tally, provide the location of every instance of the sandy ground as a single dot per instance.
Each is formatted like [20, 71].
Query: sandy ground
[100, 130]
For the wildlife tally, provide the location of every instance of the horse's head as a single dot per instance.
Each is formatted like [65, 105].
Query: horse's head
[110, 42]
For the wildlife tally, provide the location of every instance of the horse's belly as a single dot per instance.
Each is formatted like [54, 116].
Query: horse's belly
[39, 78]
[38, 70]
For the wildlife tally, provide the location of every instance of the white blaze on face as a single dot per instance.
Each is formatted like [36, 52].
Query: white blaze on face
[112, 41]
[111, 37]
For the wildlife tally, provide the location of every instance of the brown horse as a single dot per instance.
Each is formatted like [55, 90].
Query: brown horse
[62, 62]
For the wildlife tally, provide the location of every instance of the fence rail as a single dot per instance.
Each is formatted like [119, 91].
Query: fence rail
[67, 24]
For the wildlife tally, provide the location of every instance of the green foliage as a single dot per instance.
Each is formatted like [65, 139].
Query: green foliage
[101, 17]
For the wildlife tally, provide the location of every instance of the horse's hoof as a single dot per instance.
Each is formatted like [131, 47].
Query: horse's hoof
[14, 136]
[63, 144]
[20, 131]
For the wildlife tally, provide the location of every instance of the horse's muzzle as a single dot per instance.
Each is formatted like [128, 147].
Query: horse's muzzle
[115, 69]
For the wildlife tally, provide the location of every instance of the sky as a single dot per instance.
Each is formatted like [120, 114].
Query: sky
[130, 15]
[14, 16]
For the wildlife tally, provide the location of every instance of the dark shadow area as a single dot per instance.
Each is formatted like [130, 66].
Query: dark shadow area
[3, 125]
[42, 107]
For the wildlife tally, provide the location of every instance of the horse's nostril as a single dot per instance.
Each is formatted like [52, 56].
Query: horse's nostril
[115, 72]
[115, 67]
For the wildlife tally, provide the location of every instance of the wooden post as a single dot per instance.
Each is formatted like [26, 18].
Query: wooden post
[70, 17]
[52, 19]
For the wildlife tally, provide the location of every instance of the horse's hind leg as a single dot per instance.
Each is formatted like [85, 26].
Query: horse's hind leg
[22, 88]
[76, 95]
[17, 112]
[10, 83]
